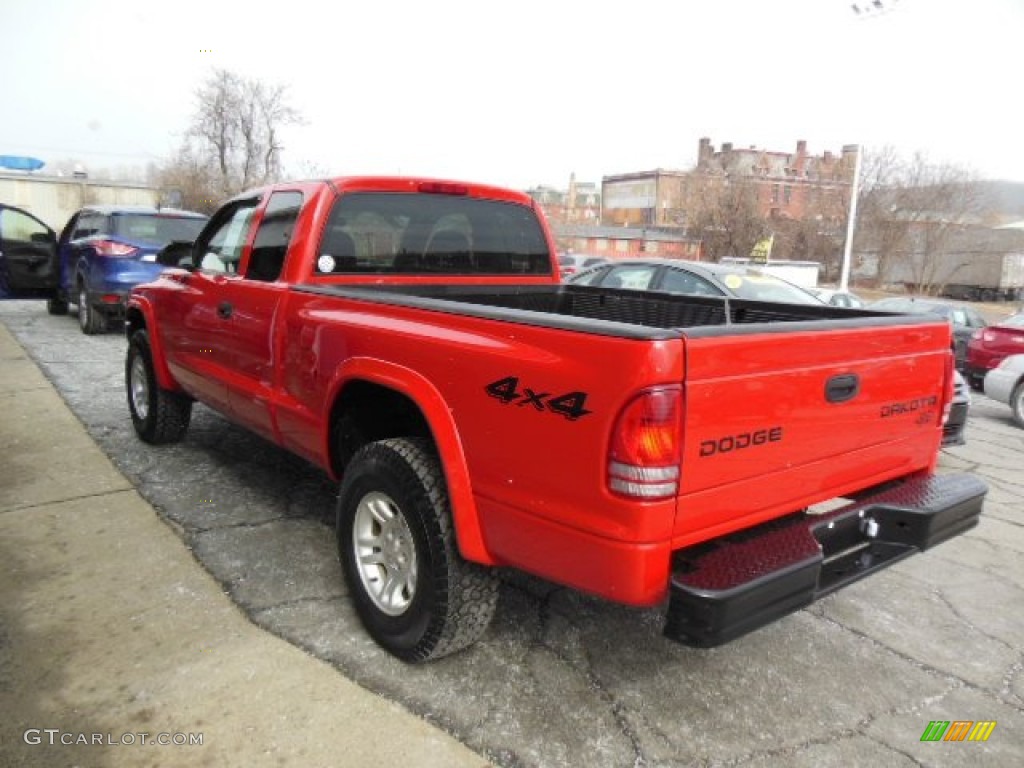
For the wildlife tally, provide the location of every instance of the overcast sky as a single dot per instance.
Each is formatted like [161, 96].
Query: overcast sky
[522, 93]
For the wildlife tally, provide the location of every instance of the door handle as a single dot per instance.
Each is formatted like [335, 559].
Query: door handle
[839, 389]
[224, 310]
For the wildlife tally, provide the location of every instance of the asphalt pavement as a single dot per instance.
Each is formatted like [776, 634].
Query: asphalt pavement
[217, 605]
[118, 649]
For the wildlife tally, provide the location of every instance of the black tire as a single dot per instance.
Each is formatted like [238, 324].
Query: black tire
[57, 306]
[975, 381]
[394, 528]
[89, 319]
[1017, 403]
[159, 416]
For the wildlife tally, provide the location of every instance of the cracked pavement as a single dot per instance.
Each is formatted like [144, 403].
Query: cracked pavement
[564, 679]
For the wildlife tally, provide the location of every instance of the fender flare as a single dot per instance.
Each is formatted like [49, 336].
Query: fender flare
[437, 414]
[142, 306]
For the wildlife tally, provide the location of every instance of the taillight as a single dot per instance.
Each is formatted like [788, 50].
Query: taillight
[644, 455]
[949, 389]
[110, 248]
[988, 336]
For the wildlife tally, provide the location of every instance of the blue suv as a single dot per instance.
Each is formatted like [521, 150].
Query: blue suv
[105, 250]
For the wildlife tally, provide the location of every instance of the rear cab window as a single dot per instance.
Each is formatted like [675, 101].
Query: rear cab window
[430, 234]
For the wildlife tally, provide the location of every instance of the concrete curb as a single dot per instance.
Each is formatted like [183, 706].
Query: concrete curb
[112, 635]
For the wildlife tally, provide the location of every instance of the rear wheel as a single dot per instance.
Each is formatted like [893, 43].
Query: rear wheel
[414, 593]
[89, 320]
[1017, 403]
[158, 415]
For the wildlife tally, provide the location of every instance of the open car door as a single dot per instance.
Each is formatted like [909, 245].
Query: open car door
[29, 267]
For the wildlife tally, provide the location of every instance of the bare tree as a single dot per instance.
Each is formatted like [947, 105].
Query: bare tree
[234, 141]
[911, 212]
[188, 182]
[724, 213]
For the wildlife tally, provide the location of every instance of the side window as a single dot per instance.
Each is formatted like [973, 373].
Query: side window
[89, 223]
[273, 236]
[680, 281]
[589, 278]
[19, 226]
[220, 250]
[633, 277]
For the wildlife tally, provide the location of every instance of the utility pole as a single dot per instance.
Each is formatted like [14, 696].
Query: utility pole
[844, 275]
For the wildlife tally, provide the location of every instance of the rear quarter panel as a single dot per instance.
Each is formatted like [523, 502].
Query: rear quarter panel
[519, 451]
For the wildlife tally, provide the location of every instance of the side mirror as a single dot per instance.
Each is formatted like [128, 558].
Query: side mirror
[177, 253]
[43, 238]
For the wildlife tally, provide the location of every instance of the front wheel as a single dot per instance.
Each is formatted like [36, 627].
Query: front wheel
[158, 415]
[413, 592]
[1017, 404]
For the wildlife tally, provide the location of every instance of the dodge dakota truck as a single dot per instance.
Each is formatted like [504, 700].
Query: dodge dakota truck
[728, 460]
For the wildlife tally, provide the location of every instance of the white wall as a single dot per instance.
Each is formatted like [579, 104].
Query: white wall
[54, 199]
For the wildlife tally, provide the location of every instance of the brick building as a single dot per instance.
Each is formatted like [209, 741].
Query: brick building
[626, 242]
[790, 186]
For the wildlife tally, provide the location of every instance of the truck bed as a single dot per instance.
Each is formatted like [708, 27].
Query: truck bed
[616, 312]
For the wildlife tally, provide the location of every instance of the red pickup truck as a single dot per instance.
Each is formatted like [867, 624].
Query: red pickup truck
[412, 338]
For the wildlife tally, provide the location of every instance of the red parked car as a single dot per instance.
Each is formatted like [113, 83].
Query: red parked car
[989, 346]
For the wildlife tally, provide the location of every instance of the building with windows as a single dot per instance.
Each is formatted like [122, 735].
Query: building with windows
[645, 199]
[627, 242]
[794, 186]
[579, 204]
[786, 185]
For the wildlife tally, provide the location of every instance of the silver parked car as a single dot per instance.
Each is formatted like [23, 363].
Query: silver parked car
[695, 279]
[838, 298]
[1005, 384]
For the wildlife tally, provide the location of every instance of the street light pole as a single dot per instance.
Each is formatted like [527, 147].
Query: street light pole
[844, 275]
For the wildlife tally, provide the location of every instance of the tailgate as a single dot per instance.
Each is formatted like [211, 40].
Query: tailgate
[780, 418]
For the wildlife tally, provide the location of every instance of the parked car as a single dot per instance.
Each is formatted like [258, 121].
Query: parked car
[571, 263]
[1005, 384]
[28, 256]
[105, 250]
[989, 346]
[953, 431]
[694, 278]
[964, 319]
[838, 298]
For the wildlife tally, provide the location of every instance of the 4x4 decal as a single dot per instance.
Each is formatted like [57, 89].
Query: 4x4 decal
[570, 405]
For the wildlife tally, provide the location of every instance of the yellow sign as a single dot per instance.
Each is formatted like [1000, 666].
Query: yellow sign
[762, 249]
